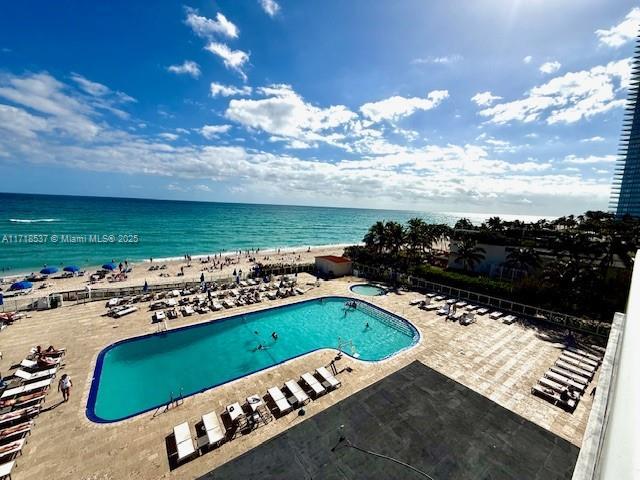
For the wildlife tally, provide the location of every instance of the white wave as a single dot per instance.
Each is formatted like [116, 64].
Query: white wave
[33, 220]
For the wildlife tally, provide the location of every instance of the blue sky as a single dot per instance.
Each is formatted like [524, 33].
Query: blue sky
[497, 106]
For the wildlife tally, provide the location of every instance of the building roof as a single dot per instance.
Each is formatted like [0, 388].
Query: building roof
[334, 259]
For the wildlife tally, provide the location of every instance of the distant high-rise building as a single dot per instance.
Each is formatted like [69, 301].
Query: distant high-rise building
[625, 191]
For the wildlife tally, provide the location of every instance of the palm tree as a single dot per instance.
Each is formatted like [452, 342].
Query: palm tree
[523, 259]
[376, 238]
[463, 224]
[415, 235]
[469, 254]
[394, 236]
[495, 224]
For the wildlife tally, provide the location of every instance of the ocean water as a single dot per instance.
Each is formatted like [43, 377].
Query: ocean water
[37, 230]
[144, 373]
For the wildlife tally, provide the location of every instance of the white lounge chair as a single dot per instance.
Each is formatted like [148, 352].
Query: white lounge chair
[574, 369]
[329, 381]
[15, 448]
[6, 468]
[214, 430]
[556, 377]
[572, 375]
[461, 304]
[187, 311]
[184, 442]
[509, 319]
[580, 358]
[444, 310]
[159, 316]
[29, 387]
[126, 311]
[585, 366]
[228, 303]
[33, 376]
[299, 397]
[439, 298]
[279, 399]
[482, 311]
[313, 384]
[216, 306]
[471, 308]
[468, 318]
[21, 429]
[33, 364]
[23, 413]
[495, 315]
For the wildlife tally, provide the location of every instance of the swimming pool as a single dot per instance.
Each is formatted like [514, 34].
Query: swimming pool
[368, 290]
[142, 373]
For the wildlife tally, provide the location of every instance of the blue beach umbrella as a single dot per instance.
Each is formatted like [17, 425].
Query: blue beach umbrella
[48, 270]
[71, 268]
[109, 266]
[24, 285]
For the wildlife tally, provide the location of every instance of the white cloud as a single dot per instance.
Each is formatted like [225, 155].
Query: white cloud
[396, 107]
[271, 7]
[202, 188]
[527, 59]
[591, 159]
[169, 136]
[568, 98]
[443, 60]
[212, 131]
[187, 68]
[286, 115]
[595, 139]
[92, 88]
[622, 33]
[219, 90]
[550, 67]
[232, 59]
[207, 28]
[484, 99]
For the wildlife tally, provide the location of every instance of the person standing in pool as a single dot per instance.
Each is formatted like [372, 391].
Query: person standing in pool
[274, 335]
[64, 386]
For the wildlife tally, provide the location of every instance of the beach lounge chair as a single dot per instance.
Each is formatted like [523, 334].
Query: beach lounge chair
[159, 316]
[113, 302]
[29, 387]
[21, 430]
[439, 298]
[5, 470]
[572, 375]
[577, 363]
[282, 405]
[184, 442]
[272, 295]
[12, 449]
[428, 305]
[584, 353]
[461, 304]
[444, 310]
[316, 388]
[27, 377]
[298, 396]
[495, 315]
[33, 364]
[482, 311]
[228, 303]
[457, 316]
[509, 319]
[553, 396]
[416, 301]
[468, 319]
[431, 295]
[580, 358]
[451, 301]
[187, 311]
[22, 414]
[215, 306]
[214, 431]
[574, 369]
[567, 382]
[328, 380]
[126, 311]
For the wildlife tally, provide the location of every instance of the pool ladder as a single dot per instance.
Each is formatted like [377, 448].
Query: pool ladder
[173, 402]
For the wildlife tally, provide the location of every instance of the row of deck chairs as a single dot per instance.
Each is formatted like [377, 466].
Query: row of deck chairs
[21, 400]
[465, 312]
[212, 431]
[9, 318]
[567, 380]
[202, 304]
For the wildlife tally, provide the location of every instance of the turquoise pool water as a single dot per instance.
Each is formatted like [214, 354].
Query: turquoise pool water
[140, 374]
[369, 290]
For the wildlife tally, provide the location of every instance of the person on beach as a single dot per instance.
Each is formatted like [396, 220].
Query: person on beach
[64, 386]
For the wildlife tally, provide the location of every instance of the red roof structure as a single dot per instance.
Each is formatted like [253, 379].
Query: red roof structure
[335, 259]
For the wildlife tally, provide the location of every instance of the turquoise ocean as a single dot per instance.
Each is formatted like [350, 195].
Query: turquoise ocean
[136, 229]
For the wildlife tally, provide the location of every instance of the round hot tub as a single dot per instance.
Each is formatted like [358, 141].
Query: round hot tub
[368, 290]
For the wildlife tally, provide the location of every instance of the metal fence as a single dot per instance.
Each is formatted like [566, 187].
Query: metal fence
[524, 311]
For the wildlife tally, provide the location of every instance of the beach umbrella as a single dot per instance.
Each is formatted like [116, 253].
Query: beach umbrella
[24, 285]
[48, 270]
[109, 266]
[71, 268]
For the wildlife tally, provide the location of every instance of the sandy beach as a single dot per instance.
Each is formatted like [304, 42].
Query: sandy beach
[172, 273]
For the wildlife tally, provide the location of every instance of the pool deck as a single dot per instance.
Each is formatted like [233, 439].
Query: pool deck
[500, 362]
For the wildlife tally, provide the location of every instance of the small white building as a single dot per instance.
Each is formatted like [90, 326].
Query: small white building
[333, 266]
